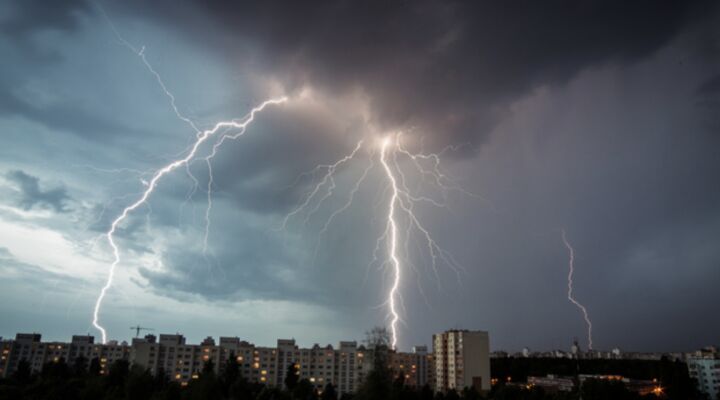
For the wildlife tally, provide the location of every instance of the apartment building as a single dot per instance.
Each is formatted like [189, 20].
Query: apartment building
[417, 367]
[462, 359]
[345, 367]
[28, 347]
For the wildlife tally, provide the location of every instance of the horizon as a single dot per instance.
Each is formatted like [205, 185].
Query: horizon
[360, 342]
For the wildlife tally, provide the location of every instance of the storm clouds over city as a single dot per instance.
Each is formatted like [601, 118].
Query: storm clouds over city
[599, 118]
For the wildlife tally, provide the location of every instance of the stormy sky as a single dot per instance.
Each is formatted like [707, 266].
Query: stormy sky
[597, 117]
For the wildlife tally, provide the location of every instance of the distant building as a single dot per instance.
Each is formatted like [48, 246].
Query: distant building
[462, 359]
[641, 387]
[552, 383]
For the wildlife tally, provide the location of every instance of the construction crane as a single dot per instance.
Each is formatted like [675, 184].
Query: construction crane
[139, 328]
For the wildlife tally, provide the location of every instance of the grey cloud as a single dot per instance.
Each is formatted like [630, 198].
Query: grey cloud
[448, 68]
[15, 270]
[24, 17]
[237, 272]
[592, 116]
[710, 87]
[72, 118]
[32, 195]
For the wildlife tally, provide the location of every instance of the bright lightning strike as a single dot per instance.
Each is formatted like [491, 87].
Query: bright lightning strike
[401, 223]
[570, 296]
[391, 231]
[152, 184]
[224, 130]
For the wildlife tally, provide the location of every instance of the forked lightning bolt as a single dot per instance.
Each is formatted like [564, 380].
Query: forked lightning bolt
[400, 219]
[152, 184]
[231, 129]
[570, 295]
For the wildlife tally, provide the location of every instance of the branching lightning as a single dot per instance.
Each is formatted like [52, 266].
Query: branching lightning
[401, 222]
[152, 184]
[223, 130]
[570, 295]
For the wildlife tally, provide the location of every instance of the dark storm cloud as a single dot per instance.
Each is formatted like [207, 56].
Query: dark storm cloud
[448, 68]
[31, 194]
[596, 116]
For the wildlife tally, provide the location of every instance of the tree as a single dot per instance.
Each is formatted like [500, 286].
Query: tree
[80, 366]
[377, 337]
[504, 392]
[208, 367]
[304, 390]
[470, 393]
[95, 368]
[22, 373]
[452, 395]
[292, 376]
[378, 383]
[601, 389]
[56, 370]
[329, 392]
[426, 393]
[139, 384]
[231, 371]
[118, 373]
[206, 386]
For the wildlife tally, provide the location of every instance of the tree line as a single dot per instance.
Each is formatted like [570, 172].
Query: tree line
[83, 380]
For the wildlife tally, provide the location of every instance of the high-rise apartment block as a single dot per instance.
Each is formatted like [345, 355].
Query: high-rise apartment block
[462, 359]
[28, 347]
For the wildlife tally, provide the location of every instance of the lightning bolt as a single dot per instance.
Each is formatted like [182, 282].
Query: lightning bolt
[231, 129]
[400, 219]
[391, 231]
[570, 296]
[152, 184]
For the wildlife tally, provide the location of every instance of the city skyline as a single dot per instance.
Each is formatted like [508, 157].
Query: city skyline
[534, 138]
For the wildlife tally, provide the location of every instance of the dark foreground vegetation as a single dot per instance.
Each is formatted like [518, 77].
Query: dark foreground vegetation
[61, 381]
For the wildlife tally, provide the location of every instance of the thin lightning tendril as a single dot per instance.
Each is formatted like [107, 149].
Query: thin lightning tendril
[570, 296]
